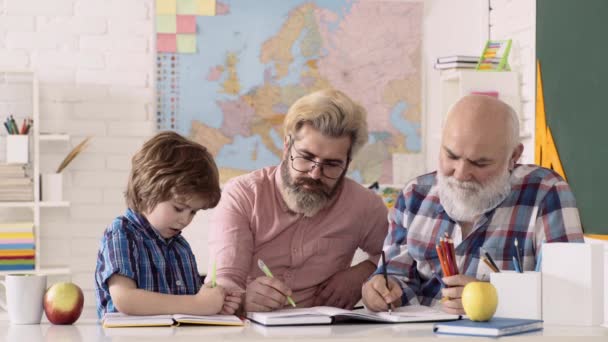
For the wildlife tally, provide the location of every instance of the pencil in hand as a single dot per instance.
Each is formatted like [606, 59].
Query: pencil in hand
[384, 272]
[267, 272]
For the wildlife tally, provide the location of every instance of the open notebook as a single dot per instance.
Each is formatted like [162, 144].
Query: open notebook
[329, 315]
[119, 320]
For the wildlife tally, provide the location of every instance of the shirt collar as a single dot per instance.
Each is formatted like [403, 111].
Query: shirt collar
[141, 223]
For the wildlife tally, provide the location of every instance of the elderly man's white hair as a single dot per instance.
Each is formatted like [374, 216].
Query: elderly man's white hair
[486, 101]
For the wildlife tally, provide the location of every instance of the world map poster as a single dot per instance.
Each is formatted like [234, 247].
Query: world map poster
[227, 72]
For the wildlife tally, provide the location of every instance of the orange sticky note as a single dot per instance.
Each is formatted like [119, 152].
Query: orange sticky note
[166, 7]
[206, 7]
[166, 42]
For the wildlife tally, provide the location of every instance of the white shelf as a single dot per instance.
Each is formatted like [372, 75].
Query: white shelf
[16, 204]
[60, 204]
[20, 80]
[54, 137]
[42, 271]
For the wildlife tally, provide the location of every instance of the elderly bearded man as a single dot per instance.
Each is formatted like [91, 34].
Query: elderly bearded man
[481, 198]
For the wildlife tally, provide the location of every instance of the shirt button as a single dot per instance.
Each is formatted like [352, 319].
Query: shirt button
[178, 283]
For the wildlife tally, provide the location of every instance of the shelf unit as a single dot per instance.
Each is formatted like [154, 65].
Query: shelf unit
[37, 204]
[458, 83]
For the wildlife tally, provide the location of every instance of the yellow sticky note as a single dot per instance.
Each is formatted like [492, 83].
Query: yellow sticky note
[166, 24]
[206, 7]
[186, 43]
[166, 7]
[187, 7]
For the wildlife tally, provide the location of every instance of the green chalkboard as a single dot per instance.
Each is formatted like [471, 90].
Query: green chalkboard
[572, 47]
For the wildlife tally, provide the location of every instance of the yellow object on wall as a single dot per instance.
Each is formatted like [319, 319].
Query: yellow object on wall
[546, 154]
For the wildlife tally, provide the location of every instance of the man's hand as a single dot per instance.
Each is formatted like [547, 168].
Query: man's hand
[343, 289]
[452, 302]
[377, 297]
[266, 294]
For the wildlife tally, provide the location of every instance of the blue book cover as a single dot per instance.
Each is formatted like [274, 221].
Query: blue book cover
[497, 326]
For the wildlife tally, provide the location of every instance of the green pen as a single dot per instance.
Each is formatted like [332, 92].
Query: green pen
[267, 272]
[213, 272]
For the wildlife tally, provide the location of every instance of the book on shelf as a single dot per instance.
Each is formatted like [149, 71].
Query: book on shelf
[495, 56]
[458, 58]
[495, 327]
[120, 320]
[13, 171]
[455, 65]
[17, 246]
[329, 315]
[15, 181]
[16, 227]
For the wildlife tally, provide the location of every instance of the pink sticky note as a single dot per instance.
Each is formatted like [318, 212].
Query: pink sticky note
[166, 42]
[186, 24]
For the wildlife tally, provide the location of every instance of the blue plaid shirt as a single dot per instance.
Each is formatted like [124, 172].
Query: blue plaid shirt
[132, 248]
[540, 207]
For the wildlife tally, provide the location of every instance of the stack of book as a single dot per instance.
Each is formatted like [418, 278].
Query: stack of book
[457, 62]
[17, 252]
[15, 185]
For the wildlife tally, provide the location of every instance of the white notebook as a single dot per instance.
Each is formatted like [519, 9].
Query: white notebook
[329, 315]
[120, 320]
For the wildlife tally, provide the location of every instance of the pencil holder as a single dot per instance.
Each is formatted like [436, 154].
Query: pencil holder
[52, 187]
[573, 289]
[519, 294]
[17, 149]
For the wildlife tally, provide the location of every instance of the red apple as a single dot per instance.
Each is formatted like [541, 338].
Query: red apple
[63, 303]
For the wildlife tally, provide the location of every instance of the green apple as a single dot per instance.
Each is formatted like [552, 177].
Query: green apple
[63, 303]
[479, 300]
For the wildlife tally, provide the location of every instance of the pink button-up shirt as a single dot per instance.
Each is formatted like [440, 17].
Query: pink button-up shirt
[253, 222]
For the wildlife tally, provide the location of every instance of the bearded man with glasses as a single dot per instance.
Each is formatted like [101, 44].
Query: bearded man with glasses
[304, 218]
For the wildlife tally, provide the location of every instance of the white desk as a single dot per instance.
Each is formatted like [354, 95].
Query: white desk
[87, 329]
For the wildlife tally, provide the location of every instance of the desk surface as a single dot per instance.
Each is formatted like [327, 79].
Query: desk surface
[87, 329]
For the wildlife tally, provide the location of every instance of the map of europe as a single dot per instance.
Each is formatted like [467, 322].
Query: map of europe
[253, 59]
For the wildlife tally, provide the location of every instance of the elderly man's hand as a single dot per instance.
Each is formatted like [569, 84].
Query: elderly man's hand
[343, 289]
[377, 296]
[452, 295]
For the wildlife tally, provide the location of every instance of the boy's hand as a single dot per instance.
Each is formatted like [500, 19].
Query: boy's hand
[232, 302]
[210, 299]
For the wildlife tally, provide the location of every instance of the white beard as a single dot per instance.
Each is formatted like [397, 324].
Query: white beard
[465, 201]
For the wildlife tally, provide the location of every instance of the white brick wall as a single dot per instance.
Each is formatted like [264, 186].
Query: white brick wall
[94, 60]
[516, 19]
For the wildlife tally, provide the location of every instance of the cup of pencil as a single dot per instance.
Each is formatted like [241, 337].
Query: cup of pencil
[17, 141]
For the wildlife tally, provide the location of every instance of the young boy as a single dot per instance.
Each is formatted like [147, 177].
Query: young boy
[144, 265]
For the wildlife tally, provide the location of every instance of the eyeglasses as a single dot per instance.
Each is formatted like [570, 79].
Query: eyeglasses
[304, 165]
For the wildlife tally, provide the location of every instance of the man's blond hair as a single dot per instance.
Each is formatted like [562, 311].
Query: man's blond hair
[332, 113]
